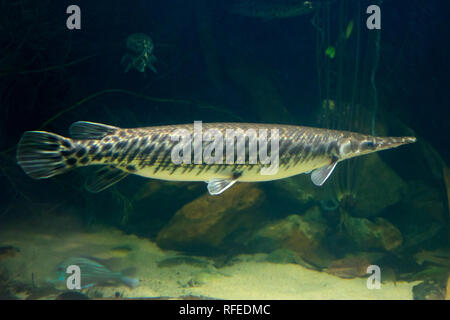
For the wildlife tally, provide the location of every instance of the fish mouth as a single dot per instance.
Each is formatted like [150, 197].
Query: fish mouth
[384, 143]
[375, 144]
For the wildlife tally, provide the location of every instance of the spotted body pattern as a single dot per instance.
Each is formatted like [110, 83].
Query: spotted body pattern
[148, 152]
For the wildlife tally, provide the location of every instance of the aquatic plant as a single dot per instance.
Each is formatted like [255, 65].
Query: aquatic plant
[345, 88]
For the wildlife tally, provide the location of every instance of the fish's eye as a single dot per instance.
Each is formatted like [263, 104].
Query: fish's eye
[369, 144]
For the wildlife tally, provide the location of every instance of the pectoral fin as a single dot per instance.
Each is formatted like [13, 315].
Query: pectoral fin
[217, 186]
[320, 175]
[104, 178]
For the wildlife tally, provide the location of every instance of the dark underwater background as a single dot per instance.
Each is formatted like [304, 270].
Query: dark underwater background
[389, 208]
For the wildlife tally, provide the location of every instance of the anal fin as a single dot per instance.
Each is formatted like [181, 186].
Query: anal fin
[217, 186]
[103, 178]
[320, 175]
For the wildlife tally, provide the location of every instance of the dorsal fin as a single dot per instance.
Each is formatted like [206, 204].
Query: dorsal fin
[90, 130]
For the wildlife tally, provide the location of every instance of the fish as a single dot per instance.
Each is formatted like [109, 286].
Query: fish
[276, 9]
[148, 152]
[92, 273]
[140, 53]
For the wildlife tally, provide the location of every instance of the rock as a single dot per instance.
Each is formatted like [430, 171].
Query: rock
[310, 259]
[426, 212]
[433, 273]
[378, 187]
[316, 259]
[299, 188]
[416, 236]
[297, 233]
[379, 234]
[439, 257]
[206, 222]
[426, 201]
[282, 256]
[170, 188]
[349, 267]
[428, 290]
[8, 252]
[145, 218]
[354, 265]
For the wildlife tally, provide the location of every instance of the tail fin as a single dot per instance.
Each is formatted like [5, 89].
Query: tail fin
[43, 155]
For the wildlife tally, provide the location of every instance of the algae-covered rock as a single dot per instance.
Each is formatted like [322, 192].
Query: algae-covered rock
[425, 202]
[282, 255]
[379, 234]
[354, 265]
[429, 290]
[440, 257]
[295, 232]
[349, 267]
[145, 218]
[427, 217]
[315, 259]
[378, 187]
[208, 220]
[299, 188]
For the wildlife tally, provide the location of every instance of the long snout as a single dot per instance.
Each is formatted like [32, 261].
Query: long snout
[383, 143]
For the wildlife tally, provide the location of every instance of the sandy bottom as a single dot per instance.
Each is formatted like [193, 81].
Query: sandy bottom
[43, 247]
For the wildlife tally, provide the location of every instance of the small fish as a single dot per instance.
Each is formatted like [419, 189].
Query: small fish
[276, 9]
[148, 152]
[94, 273]
[8, 252]
[140, 53]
